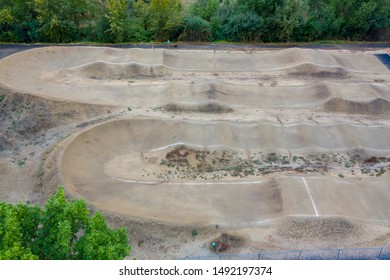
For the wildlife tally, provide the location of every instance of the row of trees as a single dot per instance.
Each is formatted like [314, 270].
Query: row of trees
[62, 231]
[118, 21]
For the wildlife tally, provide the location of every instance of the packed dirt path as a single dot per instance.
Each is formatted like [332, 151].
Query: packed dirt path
[250, 142]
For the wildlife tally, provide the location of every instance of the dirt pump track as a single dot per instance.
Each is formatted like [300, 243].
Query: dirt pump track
[233, 101]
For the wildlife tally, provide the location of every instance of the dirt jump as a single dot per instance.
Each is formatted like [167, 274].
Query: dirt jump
[247, 140]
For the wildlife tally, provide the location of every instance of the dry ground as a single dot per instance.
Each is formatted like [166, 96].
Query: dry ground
[285, 149]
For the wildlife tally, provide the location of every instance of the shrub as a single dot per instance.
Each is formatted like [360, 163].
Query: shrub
[63, 230]
[196, 29]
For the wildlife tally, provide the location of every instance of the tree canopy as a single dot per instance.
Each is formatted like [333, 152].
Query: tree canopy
[61, 231]
[116, 21]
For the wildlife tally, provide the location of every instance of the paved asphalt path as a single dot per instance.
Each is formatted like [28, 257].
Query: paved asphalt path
[8, 49]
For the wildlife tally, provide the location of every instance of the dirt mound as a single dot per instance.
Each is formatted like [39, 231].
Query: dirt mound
[296, 58]
[101, 70]
[270, 96]
[318, 71]
[225, 242]
[320, 228]
[379, 106]
[130, 76]
[148, 134]
[213, 108]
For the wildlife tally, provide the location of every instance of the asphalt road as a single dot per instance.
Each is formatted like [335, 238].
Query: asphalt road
[8, 49]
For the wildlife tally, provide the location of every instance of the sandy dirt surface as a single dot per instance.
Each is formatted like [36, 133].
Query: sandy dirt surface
[281, 149]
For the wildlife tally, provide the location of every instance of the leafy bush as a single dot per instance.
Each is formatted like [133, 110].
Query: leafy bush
[116, 14]
[323, 23]
[63, 230]
[246, 26]
[290, 18]
[119, 21]
[166, 19]
[204, 9]
[194, 233]
[195, 29]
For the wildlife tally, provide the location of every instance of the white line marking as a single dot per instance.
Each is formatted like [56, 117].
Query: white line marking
[216, 183]
[281, 218]
[311, 198]
[187, 183]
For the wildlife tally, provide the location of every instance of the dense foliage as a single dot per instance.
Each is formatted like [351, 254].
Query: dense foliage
[62, 231]
[118, 21]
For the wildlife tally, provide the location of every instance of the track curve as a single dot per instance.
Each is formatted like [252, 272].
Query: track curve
[206, 202]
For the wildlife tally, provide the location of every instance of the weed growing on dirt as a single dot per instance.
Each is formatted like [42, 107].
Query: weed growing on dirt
[225, 242]
[380, 172]
[188, 163]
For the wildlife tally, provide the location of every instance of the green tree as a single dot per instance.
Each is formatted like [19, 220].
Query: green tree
[323, 22]
[6, 16]
[232, 20]
[167, 17]
[244, 26]
[195, 29]
[116, 14]
[61, 19]
[18, 21]
[29, 219]
[63, 230]
[290, 18]
[204, 9]
[117, 21]
[11, 235]
[60, 224]
[361, 18]
[102, 243]
[264, 8]
[6, 20]
[220, 19]
[238, 21]
[370, 16]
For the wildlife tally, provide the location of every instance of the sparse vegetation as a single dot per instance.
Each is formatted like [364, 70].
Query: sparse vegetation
[186, 163]
[225, 242]
[207, 108]
[194, 233]
[380, 172]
